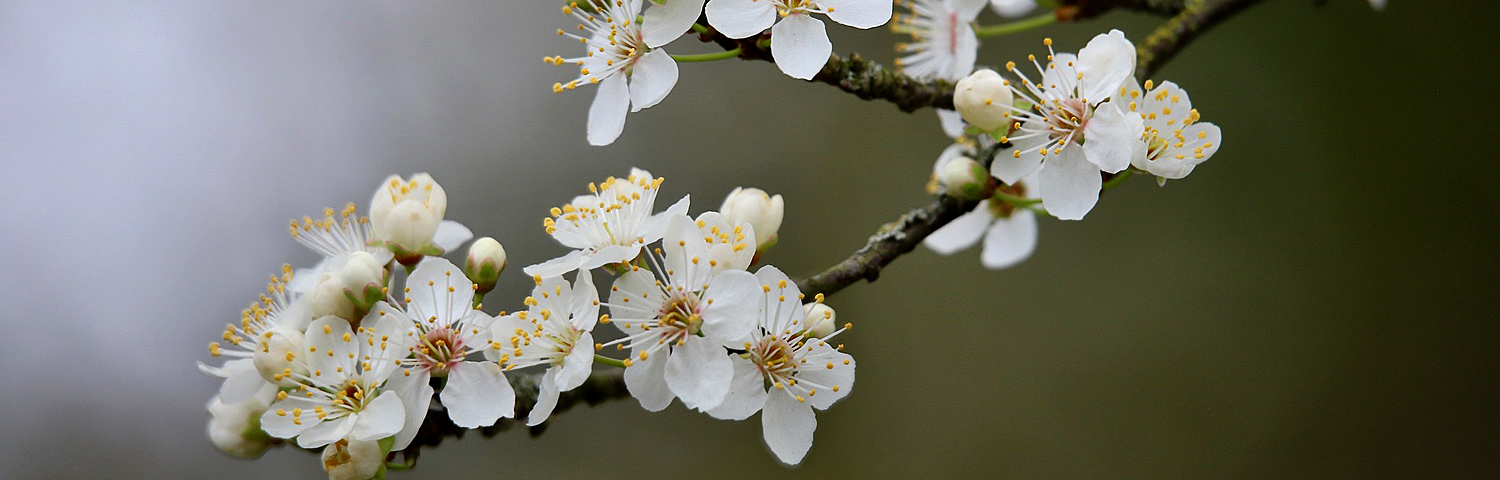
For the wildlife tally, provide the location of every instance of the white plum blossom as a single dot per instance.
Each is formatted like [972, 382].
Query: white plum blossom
[1009, 233]
[356, 460]
[609, 225]
[336, 238]
[625, 58]
[266, 346]
[407, 215]
[799, 43]
[785, 373]
[1070, 132]
[1175, 140]
[441, 330]
[556, 331]
[233, 427]
[344, 392]
[762, 211]
[943, 44]
[1012, 8]
[679, 315]
[984, 100]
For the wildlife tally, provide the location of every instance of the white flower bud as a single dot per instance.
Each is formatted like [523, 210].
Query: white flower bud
[235, 428]
[820, 319]
[963, 177]
[984, 100]
[282, 346]
[485, 262]
[327, 297]
[233, 441]
[364, 280]
[753, 206]
[406, 213]
[346, 460]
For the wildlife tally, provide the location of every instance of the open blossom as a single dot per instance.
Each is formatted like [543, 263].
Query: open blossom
[943, 44]
[609, 225]
[799, 43]
[785, 372]
[266, 345]
[441, 330]
[344, 392]
[1009, 233]
[555, 331]
[1174, 138]
[624, 57]
[407, 215]
[1071, 132]
[679, 315]
[337, 237]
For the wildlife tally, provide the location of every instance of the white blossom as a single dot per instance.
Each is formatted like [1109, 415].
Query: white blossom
[680, 314]
[762, 211]
[234, 427]
[984, 100]
[265, 346]
[344, 392]
[609, 225]
[1175, 140]
[407, 215]
[625, 58]
[352, 460]
[785, 373]
[555, 331]
[1012, 8]
[440, 331]
[1070, 132]
[799, 43]
[1009, 233]
[943, 44]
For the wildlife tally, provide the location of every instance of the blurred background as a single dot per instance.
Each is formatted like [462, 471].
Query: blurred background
[1317, 301]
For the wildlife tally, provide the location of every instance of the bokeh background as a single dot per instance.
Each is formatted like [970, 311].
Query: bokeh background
[1318, 301]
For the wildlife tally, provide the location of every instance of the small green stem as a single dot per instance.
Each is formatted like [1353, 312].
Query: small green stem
[700, 29]
[603, 360]
[1016, 200]
[478, 299]
[1016, 26]
[1125, 175]
[404, 465]
[708, 57]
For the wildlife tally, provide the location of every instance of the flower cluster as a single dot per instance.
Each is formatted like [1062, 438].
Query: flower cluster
[349, 356]
[623, 47]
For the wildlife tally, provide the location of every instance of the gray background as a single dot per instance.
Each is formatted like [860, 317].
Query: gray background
[1317, 301]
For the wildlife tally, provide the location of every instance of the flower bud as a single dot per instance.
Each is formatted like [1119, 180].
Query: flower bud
[963, 177]
[820, 319]
[327, 297]
[282, 345]
[364, 280]
[235, 428]
[753, 206]
[346, 460]
[406, 213]
[485, 262]
[984, 100]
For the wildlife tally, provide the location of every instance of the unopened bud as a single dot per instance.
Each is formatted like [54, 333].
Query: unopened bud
[984, 100]
[485, 262]
[820, 319]
[277, 355]
[762, 211]
[406, 213]
[364, 280]
[963, 177]
[357, 460]
[327, 297]
[235, 428]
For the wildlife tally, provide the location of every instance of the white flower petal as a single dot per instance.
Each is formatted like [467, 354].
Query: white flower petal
[608, 255]
[665, 22]
[546, 399]
[477, 395]
[327, 431]
[961, 233]
[733, 298]
[699, 372]
[1107, 60]
[577, 365]
[287, 425]
[830, 372]
[747, 392]
[1069, 184]
[788, 426]
[1114, 136]
[858, 13]
[968, 10]
[800, 46]
[607, 113]
[652, 79]
[1009, 168]
[241, 381]
[740, 18]
[333, 359]
[952, 122]
[1012, 8]
[439, 288]
[557, 266]
[382, 417]
[416, 397]
[647, 383]
[450, 235]
[1010, 240]
[656, 226]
